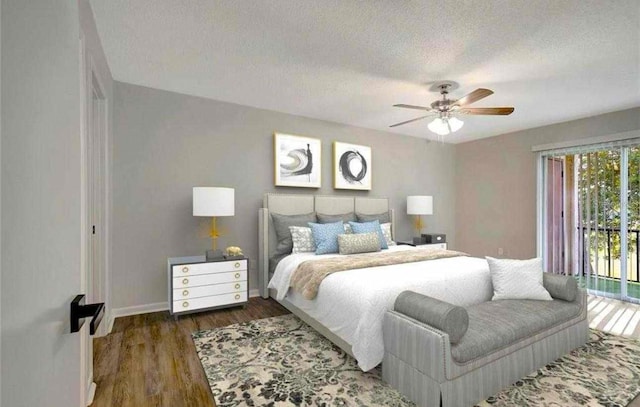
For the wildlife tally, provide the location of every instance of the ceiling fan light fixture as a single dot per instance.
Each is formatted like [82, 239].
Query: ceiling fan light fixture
[456, 124]
[439, 126]
[446, 123]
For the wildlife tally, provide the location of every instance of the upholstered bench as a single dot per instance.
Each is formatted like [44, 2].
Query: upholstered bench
[438, 352]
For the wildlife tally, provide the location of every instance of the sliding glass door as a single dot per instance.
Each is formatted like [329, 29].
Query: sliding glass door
[590, 216]
[633, 224]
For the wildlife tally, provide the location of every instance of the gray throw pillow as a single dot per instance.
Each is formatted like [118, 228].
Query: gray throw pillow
[345, 217]
[359, 243]
[561, 287]
[281, 225]
[380, 217]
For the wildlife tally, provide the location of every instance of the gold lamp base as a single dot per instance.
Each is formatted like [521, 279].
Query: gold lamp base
[214, 233]
[418, 224]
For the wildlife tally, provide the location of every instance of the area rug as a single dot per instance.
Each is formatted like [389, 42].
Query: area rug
[283, 361]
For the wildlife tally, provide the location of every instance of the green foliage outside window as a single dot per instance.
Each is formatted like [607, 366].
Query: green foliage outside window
[598, 184]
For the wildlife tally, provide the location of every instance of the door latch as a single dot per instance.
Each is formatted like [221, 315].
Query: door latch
[80, 311]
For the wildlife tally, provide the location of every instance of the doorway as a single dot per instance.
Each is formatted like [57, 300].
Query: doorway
[95, 284]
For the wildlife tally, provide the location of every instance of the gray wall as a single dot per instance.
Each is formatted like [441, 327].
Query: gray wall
[166, 143]
[495, 184]
[40, 202]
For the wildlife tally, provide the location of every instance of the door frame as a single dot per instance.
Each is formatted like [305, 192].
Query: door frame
[89, 80]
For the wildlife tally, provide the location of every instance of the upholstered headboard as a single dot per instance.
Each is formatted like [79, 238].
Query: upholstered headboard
[291, 204]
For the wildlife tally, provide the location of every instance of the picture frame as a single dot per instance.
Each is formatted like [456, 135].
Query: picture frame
[297, 161]
[352, 166]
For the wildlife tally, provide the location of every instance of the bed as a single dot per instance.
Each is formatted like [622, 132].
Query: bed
[346, 311]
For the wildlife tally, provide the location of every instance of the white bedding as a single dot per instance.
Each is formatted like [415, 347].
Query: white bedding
[352, 303]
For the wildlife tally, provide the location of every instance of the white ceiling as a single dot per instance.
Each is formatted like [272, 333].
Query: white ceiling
[350, 61]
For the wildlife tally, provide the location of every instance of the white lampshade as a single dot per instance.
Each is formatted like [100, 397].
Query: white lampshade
[213, 201]
[420, 205]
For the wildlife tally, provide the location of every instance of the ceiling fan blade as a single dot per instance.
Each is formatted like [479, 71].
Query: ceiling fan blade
[472, 97]
[412, 107]
[493, 111]
[409, 121]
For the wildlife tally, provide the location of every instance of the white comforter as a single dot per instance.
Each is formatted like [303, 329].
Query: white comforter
[352, 303]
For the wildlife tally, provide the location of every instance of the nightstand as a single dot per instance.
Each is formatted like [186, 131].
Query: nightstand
[197, 285]
[433, 246]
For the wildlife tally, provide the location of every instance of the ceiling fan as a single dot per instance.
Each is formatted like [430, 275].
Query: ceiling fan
[446, 110]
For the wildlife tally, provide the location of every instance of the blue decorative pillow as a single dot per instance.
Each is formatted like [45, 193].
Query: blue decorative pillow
[325, 235]
[368, 227]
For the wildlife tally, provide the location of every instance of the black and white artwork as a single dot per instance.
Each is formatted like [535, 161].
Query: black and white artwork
[351, 166]
[297, 161]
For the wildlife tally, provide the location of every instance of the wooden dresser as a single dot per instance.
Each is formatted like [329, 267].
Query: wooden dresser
[197, 285]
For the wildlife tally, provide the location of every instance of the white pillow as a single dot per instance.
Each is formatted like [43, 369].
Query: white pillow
[386, 231]
[517, 279]
[302, 239]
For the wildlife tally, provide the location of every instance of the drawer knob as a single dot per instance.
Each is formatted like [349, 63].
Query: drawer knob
[185, 293]
[185, 281]
[237, 296]
[185, 304]
[237, 265]
[185, 269]
[237, 275]
[237, 286]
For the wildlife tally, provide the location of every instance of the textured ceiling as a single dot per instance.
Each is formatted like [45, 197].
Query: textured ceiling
[349, 61]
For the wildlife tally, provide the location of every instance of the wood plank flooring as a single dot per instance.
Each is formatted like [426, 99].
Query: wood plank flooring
[616, 317]
[150, 359]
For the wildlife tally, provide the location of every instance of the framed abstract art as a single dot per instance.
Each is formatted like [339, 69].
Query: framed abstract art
[297, 161]
[351, 166]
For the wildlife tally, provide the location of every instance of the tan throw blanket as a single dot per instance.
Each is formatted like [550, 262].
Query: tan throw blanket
[307, 277]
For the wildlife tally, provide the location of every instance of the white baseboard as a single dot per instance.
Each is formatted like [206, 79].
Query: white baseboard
[91, 392]
[110, 322]
[139, 309]
[147, 308]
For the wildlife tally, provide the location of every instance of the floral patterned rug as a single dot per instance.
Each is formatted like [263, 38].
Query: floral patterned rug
[283, 361]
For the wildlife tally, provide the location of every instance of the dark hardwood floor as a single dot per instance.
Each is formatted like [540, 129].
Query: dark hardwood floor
[150, 359]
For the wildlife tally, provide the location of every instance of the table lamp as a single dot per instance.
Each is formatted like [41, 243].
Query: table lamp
[213, 202]
[419, 205]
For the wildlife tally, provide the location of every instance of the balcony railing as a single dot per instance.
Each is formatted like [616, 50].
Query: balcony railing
[611, 265]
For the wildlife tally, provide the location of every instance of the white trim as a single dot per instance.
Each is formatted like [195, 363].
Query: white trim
[104, 274]
[624, 221]
[139, 309]
[540, 207]
[91, 392]
[84, 341]
[588, 141]
[148, 308]
[110, 320]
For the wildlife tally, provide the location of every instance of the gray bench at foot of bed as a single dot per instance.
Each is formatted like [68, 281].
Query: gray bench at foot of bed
[502, 342]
